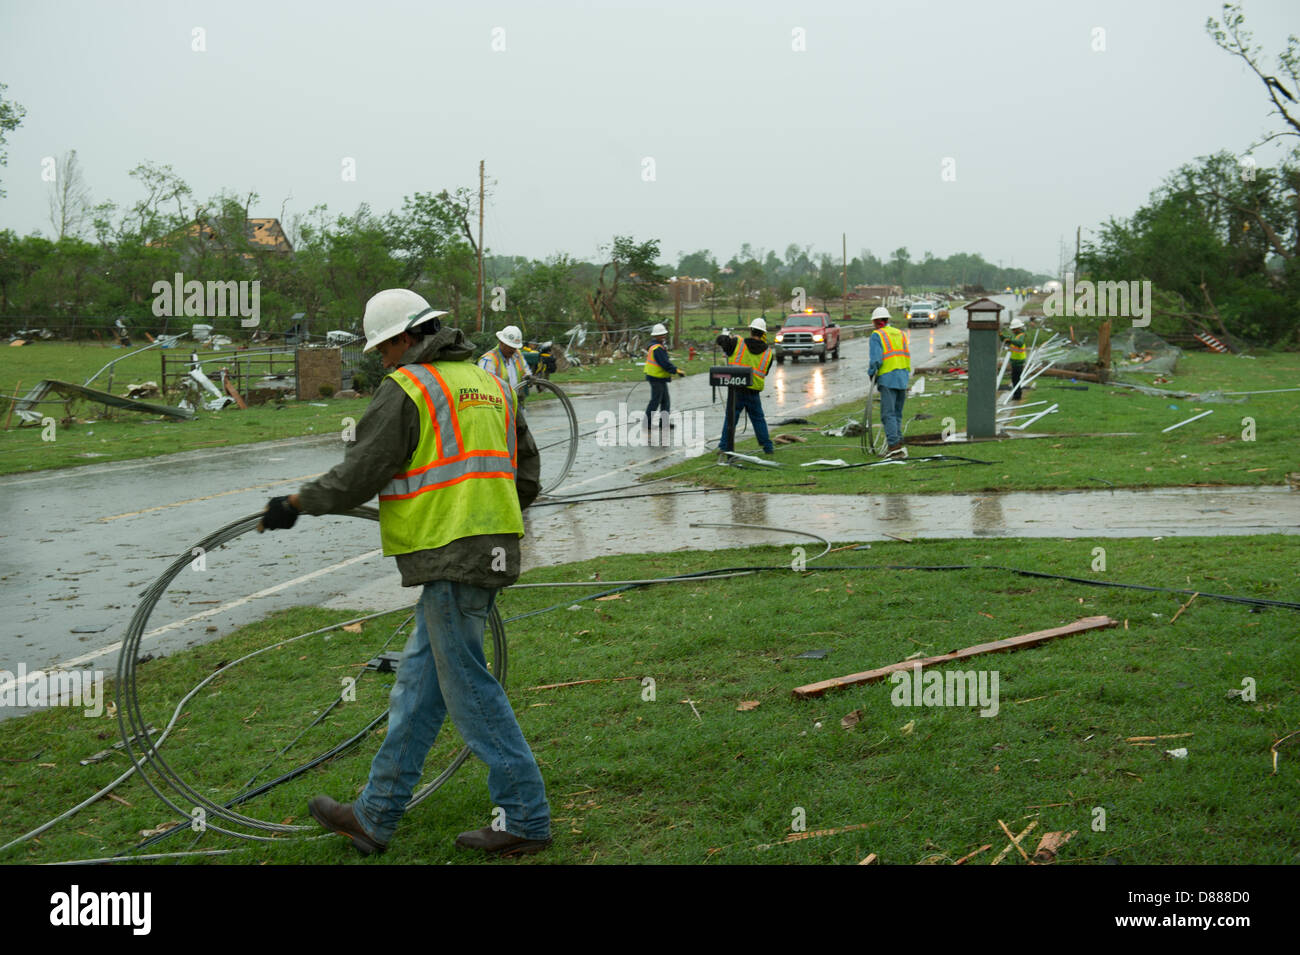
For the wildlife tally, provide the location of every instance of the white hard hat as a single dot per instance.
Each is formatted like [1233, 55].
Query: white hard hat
[658, 330]
[880, 312]
[759, 324]
[1017, 323]
[393, 311]
[510, 335]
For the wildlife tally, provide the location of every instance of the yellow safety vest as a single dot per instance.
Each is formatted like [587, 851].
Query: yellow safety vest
[893, 350]
[1016, 346]
[460, 481]
[652, 367]
[760, 362]
[501, 364]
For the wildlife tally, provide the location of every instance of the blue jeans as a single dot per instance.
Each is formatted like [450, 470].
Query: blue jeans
[891, 413]
[747, 400]
[658, 401]
[443, 672]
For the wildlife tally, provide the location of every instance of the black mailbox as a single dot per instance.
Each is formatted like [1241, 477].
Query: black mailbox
[725, 376]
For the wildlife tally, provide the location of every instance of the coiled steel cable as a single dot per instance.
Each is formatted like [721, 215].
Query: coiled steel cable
[132, 724]
[546, 385]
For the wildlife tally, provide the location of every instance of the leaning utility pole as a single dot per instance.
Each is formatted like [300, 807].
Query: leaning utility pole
[480, 245]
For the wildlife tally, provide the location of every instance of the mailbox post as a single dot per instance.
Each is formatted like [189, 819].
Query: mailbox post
[730, 377]
[981, 374]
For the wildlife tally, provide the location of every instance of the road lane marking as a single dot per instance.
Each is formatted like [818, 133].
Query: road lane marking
[157, 631]
[209, 497]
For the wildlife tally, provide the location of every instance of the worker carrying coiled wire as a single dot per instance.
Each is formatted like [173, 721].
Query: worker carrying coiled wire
[888, 365]
[444, 446]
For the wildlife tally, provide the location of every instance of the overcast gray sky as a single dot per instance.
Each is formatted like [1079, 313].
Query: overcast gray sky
[751, 140]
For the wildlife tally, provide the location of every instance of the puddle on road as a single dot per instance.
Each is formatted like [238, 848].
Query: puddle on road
[605, 528]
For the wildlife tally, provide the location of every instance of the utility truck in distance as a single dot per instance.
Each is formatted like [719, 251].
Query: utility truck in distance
[807, 333]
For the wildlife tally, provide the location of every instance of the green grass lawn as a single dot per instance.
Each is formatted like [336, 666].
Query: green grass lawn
[1212, 451]
[633, 779]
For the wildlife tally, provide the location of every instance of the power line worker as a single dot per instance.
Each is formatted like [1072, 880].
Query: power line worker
[754, 352]
[1015, 339]
[888, 366]
[659, 369]
[453, 463]
[506, 361]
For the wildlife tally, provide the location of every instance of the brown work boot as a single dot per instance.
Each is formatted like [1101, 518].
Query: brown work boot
[896, 451]
[338, 817]
[499, 842]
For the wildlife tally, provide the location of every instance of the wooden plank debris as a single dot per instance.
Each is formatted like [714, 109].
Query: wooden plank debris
[1183, 607]
[234, 393]
[1014, 843]
[816, 833]
[560, 686]
[1049, 845]
[1015, 840]
[970, 855]
[996, 646]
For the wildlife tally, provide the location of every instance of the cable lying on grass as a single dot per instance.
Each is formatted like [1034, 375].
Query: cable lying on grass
[238, 527]
[132, 723]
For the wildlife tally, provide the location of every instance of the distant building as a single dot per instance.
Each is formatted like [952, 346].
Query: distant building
[262, 233]
[693, 290]
[886, 294]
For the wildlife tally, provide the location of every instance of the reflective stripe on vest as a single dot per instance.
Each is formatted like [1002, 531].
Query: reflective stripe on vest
[894, 353]
[460, 481]
[760, 362]
[501, 365]
[1016, 346]
[652, 367]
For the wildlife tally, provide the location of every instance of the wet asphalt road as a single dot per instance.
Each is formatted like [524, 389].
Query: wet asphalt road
[78, 546]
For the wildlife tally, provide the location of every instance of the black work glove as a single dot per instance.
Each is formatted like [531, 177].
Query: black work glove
[279, 515]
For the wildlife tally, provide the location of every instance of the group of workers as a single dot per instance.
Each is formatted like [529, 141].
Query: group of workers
[445, 446]
[889, 364]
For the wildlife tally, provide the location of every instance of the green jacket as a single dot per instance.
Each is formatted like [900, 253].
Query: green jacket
[386, 437]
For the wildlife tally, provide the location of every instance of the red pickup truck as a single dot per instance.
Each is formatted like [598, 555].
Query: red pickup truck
[808, 333]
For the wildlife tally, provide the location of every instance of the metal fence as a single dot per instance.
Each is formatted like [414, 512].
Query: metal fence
[243, 366]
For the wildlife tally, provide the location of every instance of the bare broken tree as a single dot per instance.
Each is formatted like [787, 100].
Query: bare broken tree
[69, 198]
[1231, 36]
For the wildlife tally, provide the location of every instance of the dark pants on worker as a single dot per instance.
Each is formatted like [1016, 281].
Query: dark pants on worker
[1017, 369]
[658, 402]
[746, 399]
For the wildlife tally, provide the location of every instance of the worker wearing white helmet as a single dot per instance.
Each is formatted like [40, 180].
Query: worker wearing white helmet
[889, 364]
[658, 369]
[1015, 340]
[445, 448]
[505, 361]
[754, 353]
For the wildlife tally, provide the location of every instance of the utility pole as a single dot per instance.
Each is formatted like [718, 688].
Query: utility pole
[480, 245]
[844, 260]
[1078, 234]
[677, 313]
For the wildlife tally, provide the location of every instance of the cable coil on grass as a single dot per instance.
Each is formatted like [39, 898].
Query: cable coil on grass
[873, 438]
[142, 750]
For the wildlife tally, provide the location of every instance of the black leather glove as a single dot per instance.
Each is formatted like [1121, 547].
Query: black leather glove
[279, 515]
